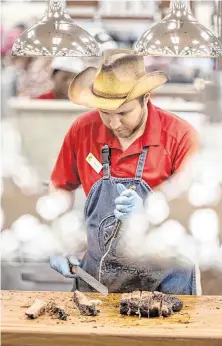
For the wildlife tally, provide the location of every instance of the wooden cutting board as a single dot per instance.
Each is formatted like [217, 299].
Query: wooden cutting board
[199, 323]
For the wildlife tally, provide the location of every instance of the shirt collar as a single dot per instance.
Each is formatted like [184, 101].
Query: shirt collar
[151, 135]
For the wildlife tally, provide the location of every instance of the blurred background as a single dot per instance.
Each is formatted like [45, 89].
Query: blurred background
[36, 115]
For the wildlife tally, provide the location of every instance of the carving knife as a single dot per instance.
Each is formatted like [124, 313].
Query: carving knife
[89, 279]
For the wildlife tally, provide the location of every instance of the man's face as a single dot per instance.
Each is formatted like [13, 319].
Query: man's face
[127, 119]
[62, 80]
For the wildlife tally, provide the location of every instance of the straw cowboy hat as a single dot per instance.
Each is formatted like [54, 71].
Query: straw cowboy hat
[121, 77]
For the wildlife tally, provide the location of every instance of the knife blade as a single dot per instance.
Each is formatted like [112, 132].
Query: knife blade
[98, 286]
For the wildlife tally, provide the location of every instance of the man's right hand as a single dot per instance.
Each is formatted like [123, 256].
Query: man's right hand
[62, 265]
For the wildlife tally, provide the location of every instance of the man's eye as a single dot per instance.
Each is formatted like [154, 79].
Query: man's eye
[123, 113]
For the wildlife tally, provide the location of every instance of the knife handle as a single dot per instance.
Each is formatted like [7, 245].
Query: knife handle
[72, 266]
[73, 269]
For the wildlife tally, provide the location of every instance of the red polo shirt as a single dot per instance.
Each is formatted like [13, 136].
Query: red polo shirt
[171, 140]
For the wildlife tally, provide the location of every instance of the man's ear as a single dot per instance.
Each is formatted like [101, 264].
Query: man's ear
[146, 97]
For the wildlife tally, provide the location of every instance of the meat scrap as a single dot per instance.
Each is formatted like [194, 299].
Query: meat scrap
[40, 307]
[85, 306]
[36, 309]
[149, 304]
[55, 312]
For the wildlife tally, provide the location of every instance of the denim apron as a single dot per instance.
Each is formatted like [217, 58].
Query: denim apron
[99, 215]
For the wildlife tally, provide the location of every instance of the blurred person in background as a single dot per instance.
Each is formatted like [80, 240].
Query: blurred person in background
[8, 37]
[32, 75]
[35, 79]
[10, 79]
[180, 70]
[11, 66]
[124, 141]
[63, 71]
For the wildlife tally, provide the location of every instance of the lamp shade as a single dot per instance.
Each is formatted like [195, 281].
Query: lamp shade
[55, 34]
[179, 34]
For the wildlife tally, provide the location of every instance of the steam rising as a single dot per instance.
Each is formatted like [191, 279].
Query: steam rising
[29, 239]
[204, 225]
[152, 236]
[14, 164]
[50, 207]
[157, 208]
[71, 232]
[208, 193]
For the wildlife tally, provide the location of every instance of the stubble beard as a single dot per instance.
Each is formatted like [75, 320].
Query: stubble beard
[141, 121]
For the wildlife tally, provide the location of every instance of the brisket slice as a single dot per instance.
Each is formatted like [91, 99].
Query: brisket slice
[175, 303]
[55, 311]
[124, 304]
[85, 306]
[149, 304]
[36, 309]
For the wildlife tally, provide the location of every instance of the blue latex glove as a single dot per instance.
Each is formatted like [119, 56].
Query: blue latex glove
[127, 203]
[61, 264]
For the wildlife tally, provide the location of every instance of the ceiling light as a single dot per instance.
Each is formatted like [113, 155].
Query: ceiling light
[54, 35]
[179, 26]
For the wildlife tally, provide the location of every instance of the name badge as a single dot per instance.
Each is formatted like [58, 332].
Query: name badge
[94, 163]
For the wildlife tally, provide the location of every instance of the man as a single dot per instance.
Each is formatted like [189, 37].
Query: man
[125, 142]
[35, 77]
[12, 76]
[63, 71]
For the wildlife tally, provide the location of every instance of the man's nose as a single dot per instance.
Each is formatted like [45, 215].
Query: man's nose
[114, 122]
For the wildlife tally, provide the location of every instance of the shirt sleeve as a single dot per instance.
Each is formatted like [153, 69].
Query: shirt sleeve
[187, 148]
[65, 173]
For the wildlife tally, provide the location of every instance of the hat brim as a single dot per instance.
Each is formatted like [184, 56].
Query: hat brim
[81, 89]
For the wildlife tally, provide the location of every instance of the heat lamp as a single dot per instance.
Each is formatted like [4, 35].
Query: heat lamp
[179, 34]
[55, 34]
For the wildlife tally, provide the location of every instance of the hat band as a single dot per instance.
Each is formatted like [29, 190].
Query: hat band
[108, 96]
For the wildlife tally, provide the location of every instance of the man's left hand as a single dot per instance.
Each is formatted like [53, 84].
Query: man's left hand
[127, 203]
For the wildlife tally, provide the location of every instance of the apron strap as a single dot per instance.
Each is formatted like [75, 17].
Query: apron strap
[141, 163]
[106, 153]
